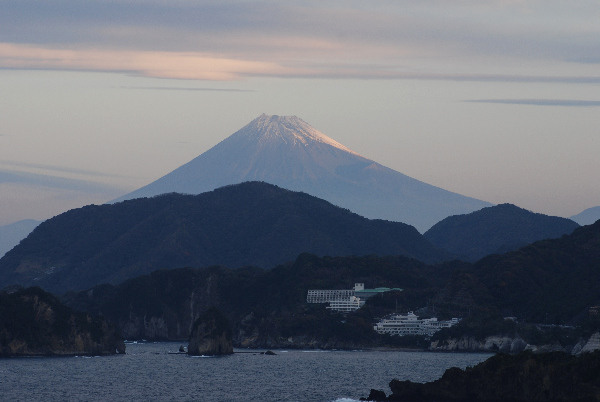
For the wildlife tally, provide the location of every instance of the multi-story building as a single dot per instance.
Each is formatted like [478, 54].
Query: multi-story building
[327, 296]
[345, 300]
[346, 306]
[410, 324]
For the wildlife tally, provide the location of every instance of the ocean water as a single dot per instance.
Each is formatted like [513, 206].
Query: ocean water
[148, 373]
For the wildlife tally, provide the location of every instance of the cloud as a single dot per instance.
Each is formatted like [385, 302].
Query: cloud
[192, 89]
[205, 67]
[231, 40]
[56, 182]
[57, 168]
[188, 65]
[541, 102]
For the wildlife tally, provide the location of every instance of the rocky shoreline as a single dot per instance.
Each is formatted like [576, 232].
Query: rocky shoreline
[35, 323]
[505, 344]
[526, 376]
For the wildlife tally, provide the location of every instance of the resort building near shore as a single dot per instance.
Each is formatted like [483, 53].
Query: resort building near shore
[346, 306]
[410, 324]
[345, 300]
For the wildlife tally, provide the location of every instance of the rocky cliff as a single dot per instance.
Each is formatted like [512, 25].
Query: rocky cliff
[513, 344]
[502, 344]
[211, 335]
[592, 344]
[33, 323]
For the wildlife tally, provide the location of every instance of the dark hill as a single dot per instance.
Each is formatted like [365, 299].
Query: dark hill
[252, 223]
[495, 230]
[550, 377]
[552, 281]
[11, 235]
[33, 322]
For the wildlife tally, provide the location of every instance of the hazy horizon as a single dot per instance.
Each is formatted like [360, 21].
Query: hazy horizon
[496, 100]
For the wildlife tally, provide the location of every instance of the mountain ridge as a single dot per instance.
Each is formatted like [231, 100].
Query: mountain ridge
[588, 216]
[251, 223]
[551, 281]
[495, 230]
[12, 234]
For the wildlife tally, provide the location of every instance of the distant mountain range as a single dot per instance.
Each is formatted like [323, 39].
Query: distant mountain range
[286, 151]
[11, 235]
[252, 223]
[495, 230]
[587, 217]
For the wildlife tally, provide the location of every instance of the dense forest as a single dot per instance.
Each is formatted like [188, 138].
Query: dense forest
[264, 306]
[551, 282]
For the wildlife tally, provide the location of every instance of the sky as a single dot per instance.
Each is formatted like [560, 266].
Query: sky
[495, 99]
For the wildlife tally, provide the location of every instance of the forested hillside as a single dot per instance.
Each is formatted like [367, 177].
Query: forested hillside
[548, 282]
[251, 223]
[495, 230]
[264, 306]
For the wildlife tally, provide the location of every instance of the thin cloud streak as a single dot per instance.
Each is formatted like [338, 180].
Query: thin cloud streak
[206, 67]
[399, 75]
[183, 65]
[540, 102]
[191, 89]
[58, 169]
[56, 182]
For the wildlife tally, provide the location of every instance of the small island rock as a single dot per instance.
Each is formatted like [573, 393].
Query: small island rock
[211, 335]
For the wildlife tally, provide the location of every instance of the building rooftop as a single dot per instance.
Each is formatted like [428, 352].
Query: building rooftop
[377, 290]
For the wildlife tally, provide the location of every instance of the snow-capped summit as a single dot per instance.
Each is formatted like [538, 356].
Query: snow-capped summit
[288, 152]
[290, 129]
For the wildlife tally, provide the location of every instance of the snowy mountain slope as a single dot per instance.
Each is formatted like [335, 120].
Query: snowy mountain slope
[288, 152]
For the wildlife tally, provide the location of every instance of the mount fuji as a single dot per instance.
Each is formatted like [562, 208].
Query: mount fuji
[288, 152]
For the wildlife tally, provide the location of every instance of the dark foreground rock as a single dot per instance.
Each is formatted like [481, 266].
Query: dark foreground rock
[523, 377]
[211, 335]
[35, 323]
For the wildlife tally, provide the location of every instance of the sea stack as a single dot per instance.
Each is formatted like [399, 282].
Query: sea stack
[211, 335]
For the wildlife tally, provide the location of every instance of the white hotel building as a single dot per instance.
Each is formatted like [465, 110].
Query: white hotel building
[345, 300]
[410, 324]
